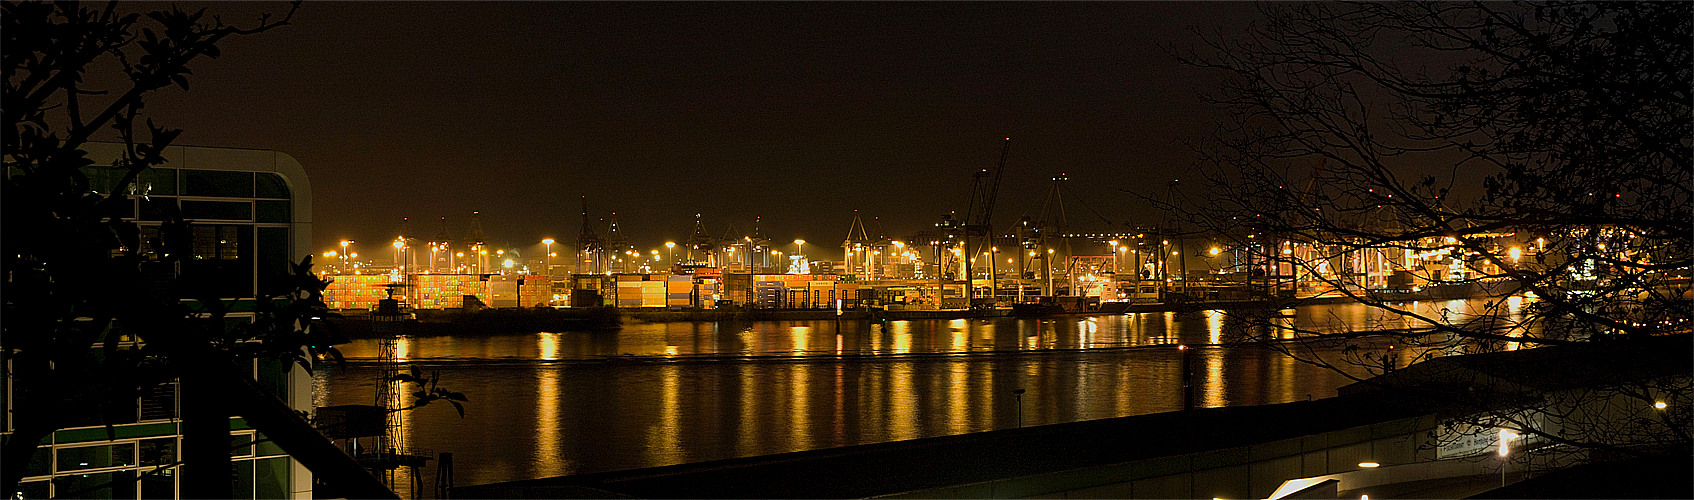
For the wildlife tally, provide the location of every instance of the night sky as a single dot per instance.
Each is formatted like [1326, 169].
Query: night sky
[797, 112]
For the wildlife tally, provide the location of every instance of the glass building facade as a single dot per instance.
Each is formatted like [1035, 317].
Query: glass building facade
[250, 217]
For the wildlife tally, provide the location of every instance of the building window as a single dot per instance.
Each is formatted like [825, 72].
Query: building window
[115, 484]
[217, 183]
[219, 210]
[271, 185]
[96, 457]
[272, 250]
[222, 260]
[157, 208]
[159, 402]
[156, 181]
[273, 210]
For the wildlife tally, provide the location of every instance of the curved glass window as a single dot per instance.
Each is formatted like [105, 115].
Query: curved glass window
[270, 185]
[217, 183]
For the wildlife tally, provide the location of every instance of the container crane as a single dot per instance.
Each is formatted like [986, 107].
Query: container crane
[979, 222]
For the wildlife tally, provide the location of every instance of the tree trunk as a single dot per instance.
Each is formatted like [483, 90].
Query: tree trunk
[207, 473]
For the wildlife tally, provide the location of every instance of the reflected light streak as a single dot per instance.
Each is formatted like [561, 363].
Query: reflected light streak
[800, 393]
[903, 403]
[547, 431]
[402, 348]
[548, 344]
[1214, 326]
[1214, 378]
[663, 444]
[1170, 332]
[799, 336]
[902, 334]
[957, 400]
[749, 428]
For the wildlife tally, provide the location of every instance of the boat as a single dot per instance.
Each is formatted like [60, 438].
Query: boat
[908, 314]
[1446, 290]
[1049, 307]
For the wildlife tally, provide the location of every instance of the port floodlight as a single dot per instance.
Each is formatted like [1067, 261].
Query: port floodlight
[670, 244]
[399, 244]
[547, 241]
[1659, 405]
[1506, 435]
[354, 256]
[1215, 250]
[1369, 465]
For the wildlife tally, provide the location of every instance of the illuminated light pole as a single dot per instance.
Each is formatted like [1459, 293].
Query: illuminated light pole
[670, 252]
[549, 243]
[1505, 452]
[344, 257]
[1049, 271]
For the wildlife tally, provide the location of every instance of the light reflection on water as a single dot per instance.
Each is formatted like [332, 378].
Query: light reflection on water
[857, 337]
[560, 403]
[529, 419]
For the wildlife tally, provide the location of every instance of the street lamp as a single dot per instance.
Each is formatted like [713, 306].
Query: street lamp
[549, 243]
[400, 255]
[344, 254]
[1505, 460]
[670, 251]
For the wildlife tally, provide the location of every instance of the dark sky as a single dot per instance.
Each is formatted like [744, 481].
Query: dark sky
[797, 112]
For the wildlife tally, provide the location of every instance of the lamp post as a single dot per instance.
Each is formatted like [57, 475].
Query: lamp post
[344, 254]
[549, 243]
[400, 255]
[670, 250]
[1505, 452]
[1018, 394]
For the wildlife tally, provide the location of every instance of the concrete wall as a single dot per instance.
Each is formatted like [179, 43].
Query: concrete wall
[1253, 471]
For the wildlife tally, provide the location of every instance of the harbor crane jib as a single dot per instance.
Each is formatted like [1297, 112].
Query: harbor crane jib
[979, 226]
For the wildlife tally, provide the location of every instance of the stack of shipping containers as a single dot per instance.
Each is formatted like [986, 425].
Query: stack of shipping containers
[502, 291]
[355, 291]
[534, 291]
[445, 291]
[710, 291]
[629, 288]
[679, 291]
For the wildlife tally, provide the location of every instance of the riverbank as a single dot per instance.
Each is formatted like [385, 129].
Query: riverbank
[432, 322]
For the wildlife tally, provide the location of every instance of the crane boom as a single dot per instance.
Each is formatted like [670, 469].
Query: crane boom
[989, 196]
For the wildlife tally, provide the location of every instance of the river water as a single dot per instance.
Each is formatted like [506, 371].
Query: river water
[650, 394]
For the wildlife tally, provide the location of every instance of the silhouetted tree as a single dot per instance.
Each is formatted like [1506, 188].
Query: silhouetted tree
[90, 322]
[1544, 146]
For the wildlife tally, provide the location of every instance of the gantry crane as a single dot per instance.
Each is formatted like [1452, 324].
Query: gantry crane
[979, 223]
